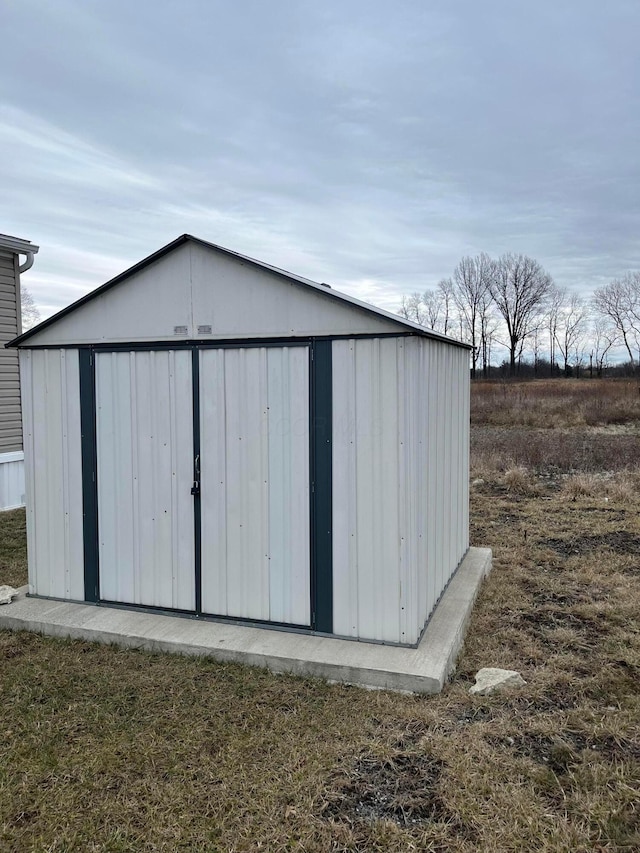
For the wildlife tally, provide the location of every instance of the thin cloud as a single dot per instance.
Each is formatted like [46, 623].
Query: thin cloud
[352, 146]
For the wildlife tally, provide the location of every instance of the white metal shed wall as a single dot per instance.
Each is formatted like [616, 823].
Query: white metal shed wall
[53, 471]
[400, 482]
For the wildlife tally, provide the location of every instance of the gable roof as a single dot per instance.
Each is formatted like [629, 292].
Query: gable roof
[325, 289]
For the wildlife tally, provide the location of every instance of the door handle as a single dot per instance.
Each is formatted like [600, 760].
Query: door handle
[195, 489]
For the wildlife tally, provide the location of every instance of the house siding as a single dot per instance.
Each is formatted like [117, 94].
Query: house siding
[10, 420]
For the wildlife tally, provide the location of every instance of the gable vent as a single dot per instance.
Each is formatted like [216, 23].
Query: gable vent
[180, 330]
[204, 330]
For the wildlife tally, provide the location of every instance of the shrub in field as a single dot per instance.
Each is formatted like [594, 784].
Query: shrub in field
[489, 465]
[580, 486]
[619, 487]
[517, 480]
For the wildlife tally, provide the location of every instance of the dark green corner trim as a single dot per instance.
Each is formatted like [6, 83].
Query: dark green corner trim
[197, 504]
[89, 473]
[321, 486]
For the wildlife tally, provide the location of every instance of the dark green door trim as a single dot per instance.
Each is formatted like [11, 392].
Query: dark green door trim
[321, 398]
[89, 469]
[195, 490]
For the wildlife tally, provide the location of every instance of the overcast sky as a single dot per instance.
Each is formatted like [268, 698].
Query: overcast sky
[363, 143]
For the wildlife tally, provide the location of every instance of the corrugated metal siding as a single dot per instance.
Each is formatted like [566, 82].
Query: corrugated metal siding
[144, 430]
[400, 469]
[254, 422]
[448, 462]
[370, 585]
[53, 472]
[10, 419]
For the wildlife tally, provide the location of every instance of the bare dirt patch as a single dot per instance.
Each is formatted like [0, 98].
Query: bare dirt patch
[618, 541]
[564, 750]
[402, 788]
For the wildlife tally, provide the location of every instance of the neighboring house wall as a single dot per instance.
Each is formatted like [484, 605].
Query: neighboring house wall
[11, 455]
[10, 420]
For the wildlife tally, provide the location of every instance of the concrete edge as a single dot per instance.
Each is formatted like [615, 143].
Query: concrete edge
[424, 669]
[453, 612]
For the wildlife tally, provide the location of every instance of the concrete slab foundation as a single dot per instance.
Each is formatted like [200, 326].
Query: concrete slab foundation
[424, 669]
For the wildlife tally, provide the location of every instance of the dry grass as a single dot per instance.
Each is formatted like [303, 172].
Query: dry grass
[13, 548]
[556, 403]
[553, 452]
[104, 749]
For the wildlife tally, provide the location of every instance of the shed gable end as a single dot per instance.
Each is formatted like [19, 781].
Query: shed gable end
[196, 292]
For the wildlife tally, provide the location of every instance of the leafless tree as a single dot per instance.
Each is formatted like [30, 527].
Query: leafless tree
[555, 302]
[435, 308]
[604, 337]
[445, 287]
[28, 309]
[519, 286]
[570, 329]
[412, 308]
[470, 288]
[620, 302]
[536, 337]
[489, 325]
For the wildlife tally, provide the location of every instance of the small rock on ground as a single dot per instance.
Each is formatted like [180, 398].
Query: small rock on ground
[7, 593]
[490, 679]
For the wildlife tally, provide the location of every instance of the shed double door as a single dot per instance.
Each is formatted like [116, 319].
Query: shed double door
[202, 463]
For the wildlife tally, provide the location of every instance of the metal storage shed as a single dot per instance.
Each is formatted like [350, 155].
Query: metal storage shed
[210, 435]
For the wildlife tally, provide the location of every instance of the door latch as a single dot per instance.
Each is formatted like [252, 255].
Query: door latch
[195, 489]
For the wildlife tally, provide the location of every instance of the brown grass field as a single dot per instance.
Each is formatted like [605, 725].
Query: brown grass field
[109, 750]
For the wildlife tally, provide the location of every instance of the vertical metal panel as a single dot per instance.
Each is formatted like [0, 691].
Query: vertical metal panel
[371, 583]
[345, 491]
[254, 424]
[144, 470]
[422, 392]
[431, 435]
[448, 486]
[448, 453]
[398, 515]
[53, 472]
[417, 465]
[288, 447]
[465, 429]
[440, 471]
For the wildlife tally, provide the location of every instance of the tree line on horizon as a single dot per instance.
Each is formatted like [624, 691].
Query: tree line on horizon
[513, 302]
